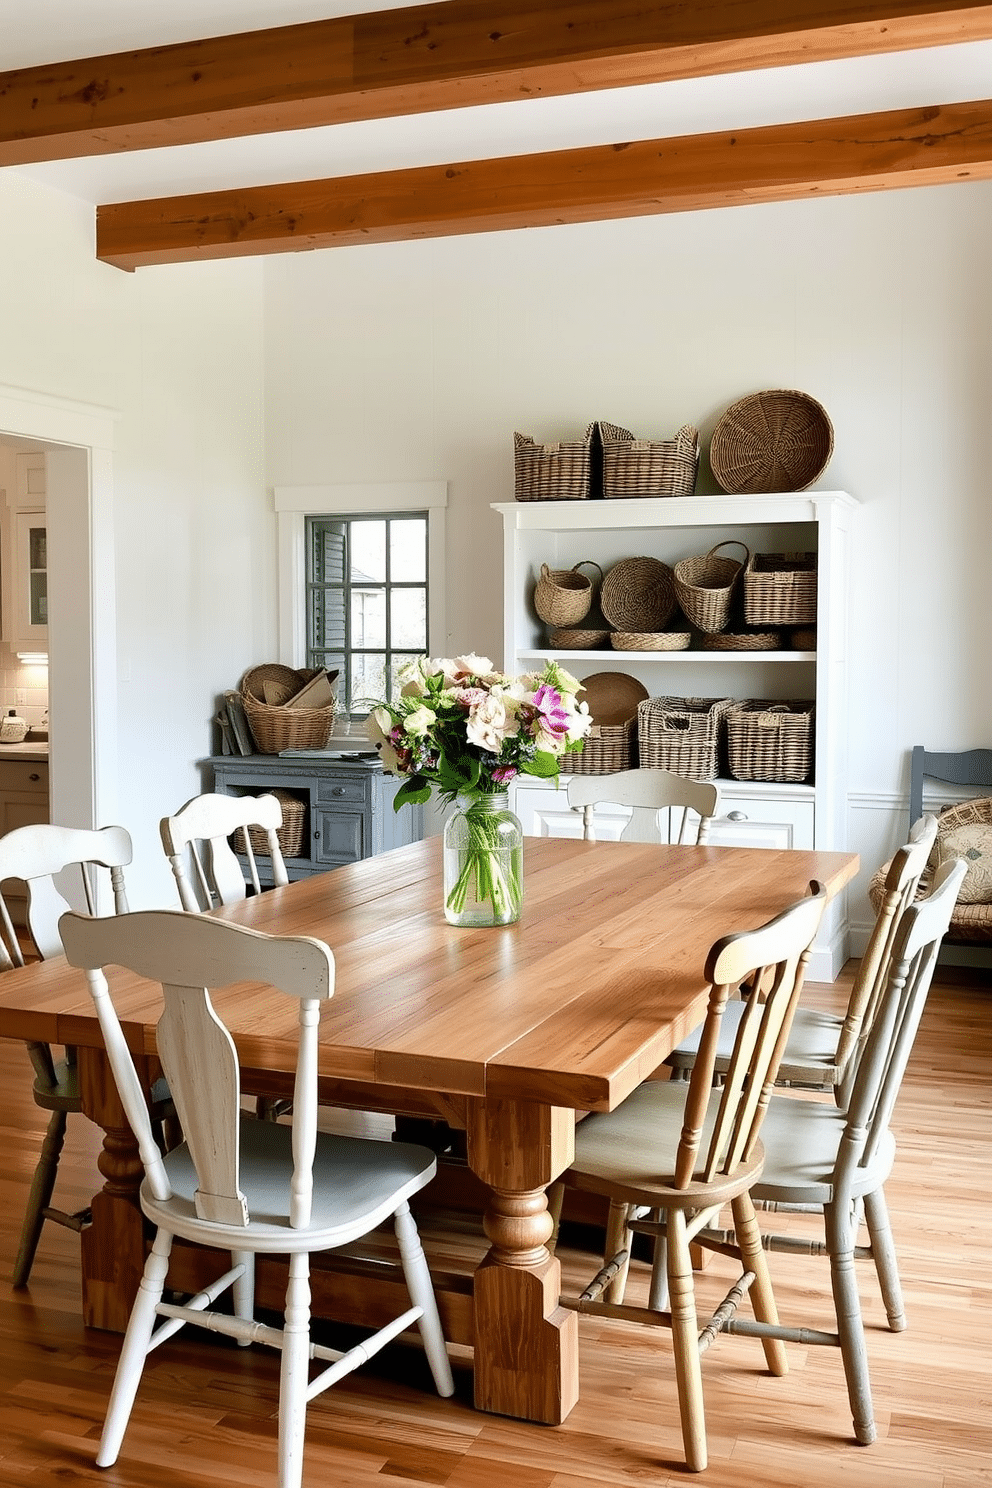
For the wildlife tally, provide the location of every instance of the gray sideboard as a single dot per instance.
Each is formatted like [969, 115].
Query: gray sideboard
[348, 800]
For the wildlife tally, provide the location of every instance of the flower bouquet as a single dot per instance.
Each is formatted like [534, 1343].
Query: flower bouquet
[466, 730]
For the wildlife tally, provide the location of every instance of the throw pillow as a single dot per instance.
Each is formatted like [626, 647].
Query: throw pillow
[974, 844]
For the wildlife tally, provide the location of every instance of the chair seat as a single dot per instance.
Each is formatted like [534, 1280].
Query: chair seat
[629, 1154]
[801, 1139]
[810, 1054]
[64, 1094]
[357, 1185]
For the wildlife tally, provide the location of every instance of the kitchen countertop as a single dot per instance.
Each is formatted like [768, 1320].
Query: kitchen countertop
[29, 749]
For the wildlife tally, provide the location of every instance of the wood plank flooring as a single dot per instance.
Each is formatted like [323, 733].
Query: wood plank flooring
[205, 1414]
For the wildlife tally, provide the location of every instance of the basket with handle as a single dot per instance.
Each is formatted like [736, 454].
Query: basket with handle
[563, 596]
[770, 741]
[705, 586]
[559, 471]
[682, 734]
[650, 467]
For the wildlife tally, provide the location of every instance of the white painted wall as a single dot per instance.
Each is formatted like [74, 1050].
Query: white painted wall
[417, 361]
[178, 354]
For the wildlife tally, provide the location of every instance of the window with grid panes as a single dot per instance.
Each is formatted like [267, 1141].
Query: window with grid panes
[367, 589]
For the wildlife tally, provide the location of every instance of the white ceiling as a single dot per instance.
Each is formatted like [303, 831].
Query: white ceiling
[38, 31]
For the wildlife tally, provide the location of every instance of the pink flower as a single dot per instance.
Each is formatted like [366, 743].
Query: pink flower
[554, 716]
[503, 774]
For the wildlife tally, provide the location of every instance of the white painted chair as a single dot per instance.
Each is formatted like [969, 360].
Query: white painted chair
[680, 1152]
[664, 807]
[246, 1186]
[822, 1159]
[821, 1048]
[196, 843]
[33, 855]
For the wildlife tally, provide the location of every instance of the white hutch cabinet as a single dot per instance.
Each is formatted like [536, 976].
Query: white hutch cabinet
[562, 533]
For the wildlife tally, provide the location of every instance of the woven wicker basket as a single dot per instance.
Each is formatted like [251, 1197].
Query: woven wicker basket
[648, 467]
[551, 472]
[290, 834]
[778, 440]
[705, 586]
[770, 741]
[607, 747]
[804, 639]
[563, 596]
[277, 728]
[638, 595]
[780, 589]
[971, 924]
[682, 735]
[663, 640]
[755, 640]
[576, 638]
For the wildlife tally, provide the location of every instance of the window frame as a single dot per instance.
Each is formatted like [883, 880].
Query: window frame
[293, 504]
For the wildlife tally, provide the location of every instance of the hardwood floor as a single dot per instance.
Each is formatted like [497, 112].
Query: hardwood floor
[205, 1414]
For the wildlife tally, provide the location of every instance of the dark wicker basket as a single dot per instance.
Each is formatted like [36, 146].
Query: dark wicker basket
[651, 467]
[682, 735]
[770, 741]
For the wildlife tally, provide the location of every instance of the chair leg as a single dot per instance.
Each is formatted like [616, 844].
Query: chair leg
[243, 1290]
[135, 1350]
[658, 1290]
[293, 1373]
[844, 1283]
[883, 1253]
[685, 1342]
[421, 1289]
[618, 1237]
[753, 1258]
[42, 1187]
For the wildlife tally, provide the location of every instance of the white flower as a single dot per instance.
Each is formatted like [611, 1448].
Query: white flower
[488, 724]
[419, 722]
[580, 721]
[377, 727]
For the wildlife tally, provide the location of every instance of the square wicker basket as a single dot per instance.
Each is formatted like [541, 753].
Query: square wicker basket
[780, 589]
[651, 467]
[770, 741]
[290, 834]
[682, 734]
[608, 747]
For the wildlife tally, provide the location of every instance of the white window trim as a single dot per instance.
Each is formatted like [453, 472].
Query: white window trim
[294, 503]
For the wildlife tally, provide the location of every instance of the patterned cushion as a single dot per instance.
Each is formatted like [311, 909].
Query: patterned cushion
[974, 844]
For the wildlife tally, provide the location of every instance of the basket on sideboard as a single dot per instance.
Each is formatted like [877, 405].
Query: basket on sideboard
[275, 728]
[290, 835]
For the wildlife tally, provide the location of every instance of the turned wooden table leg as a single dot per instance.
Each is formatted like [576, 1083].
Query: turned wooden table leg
[113, 1246]
[526, 1345]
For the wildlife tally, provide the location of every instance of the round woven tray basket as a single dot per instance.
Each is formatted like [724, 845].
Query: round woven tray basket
[728, 640]
[277, 728]
[664, 640]
[969, 922]
[575, 638]
[704, 586]
[638, 595]
[780, 440]
[563, 596]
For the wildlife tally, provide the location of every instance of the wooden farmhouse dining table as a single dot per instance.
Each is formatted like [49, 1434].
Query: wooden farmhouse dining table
[504, 1033]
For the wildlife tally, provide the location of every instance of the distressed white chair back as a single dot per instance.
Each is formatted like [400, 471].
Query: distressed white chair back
[35, 855]
[196, 842]
[664, 807]
[190, 956]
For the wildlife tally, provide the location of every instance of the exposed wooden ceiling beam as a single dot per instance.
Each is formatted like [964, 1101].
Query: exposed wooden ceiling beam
[439, 56]
[828, 157]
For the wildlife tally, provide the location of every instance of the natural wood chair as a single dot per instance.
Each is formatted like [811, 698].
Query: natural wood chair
[206, 869]
[820, 1158]
[648, 793]
[679, 1152]
[820, 1052]
[246, 1186]
[33, 855]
